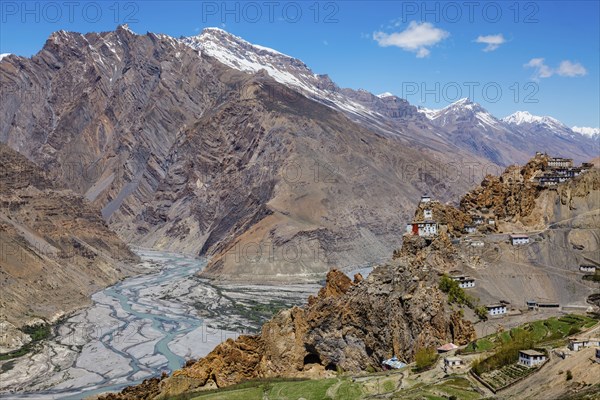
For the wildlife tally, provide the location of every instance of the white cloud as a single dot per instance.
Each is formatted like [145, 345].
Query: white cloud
[566, 68]
[541, 69]
[492, 41]
[416, 38]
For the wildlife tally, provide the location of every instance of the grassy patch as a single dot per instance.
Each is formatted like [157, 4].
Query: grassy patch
[549, 332]
[255, 393]
[37, 334]
[455, 388]
[507, 374]
[310, 390]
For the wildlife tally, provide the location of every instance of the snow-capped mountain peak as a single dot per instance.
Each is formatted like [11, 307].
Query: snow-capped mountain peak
[465, 101]
[587, 131]
[524, 117]
[459, 112]
[237, 53]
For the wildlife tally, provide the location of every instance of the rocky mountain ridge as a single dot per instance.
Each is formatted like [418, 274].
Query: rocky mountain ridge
[189, 145]
[184, 153]
[511, 139]
[56, 249]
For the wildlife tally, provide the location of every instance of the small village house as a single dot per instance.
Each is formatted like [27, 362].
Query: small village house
[518, 240]
[423, 229]
[425, 199]
[477, 243]
[559, 162]
[496, 309]
[577, 344]
[453, 362]
[531, 358]
[587, 268]
[491, 221]
[464, 282]
[427, 214]
[477, 220]
[470, 228]
[532, 304]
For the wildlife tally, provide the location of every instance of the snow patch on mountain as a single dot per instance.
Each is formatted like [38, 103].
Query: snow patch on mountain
[586, 131]
[385, 94]
[524, 117]
[463, 109]
[4, 55]
[237, 53]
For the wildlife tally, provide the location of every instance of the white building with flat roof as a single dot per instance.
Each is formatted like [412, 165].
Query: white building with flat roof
[464, 282]
[453, 362]
[577, 344]
[531, 358]
[559, 162]
[587, 268]
[496, 309]
[518, 240]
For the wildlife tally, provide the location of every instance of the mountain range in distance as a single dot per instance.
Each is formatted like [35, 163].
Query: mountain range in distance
[210, 144]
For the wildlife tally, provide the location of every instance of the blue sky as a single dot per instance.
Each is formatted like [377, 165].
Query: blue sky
[541, 56]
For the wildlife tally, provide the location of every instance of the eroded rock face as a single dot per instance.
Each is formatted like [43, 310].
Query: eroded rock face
[57, 249]
[509, 196]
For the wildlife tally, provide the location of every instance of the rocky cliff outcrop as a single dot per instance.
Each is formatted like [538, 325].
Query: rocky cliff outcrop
[56, 248]
[509, 196]
[348, 326]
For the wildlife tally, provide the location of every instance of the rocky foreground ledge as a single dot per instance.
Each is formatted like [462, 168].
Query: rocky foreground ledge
[349, 326]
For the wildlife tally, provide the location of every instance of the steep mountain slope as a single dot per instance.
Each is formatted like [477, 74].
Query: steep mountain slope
[463, 123]
[274, 171]
[184, 153]
[56, 249]
[562, 223]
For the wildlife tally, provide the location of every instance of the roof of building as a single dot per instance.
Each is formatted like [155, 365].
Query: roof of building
[495, 305]
[394, 363]
[463, 279]
[447, 347]
[519, 236]
[531, 352]
[453, 359]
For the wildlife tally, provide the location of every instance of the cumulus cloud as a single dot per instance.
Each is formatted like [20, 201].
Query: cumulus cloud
[565, 68]
[492, 41]
[416, 38]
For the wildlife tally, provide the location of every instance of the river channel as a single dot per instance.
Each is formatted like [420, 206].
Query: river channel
[141, 327]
